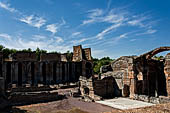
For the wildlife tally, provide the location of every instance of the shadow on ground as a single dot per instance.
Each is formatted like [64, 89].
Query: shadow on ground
[13, 110]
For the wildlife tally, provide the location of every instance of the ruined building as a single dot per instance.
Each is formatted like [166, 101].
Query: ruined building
[24, 70]
[138, 77]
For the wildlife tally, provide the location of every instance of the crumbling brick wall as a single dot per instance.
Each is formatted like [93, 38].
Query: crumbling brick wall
[167, 73]
[25, 69]
[98, 88]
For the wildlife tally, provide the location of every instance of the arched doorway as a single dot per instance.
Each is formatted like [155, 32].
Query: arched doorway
[88, 69]
[32, 73]
[44, 72]
[8, 75]
[19, 74]
[152, 70]
[54, 72]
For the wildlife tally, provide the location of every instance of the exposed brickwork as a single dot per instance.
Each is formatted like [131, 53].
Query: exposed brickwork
[20, 56]
[50, 57]
[167, 73]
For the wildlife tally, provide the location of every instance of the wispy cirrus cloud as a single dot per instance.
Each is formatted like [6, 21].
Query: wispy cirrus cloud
[5, 36]
[112, 16]
[75, 42]
[147, 32]
[76, 33]
[107, 30]
[38, 37]
[7, 7]
[59, 39]
[119, 17]
[33, 20]
[49, 44]
[53, 28]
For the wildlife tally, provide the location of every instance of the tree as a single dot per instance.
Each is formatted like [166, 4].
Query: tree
[38, 53]
[69, 55]
[6, 52]
[100, 62]
[1, 47]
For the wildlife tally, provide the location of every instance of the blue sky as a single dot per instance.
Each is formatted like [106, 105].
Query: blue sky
[111, 28]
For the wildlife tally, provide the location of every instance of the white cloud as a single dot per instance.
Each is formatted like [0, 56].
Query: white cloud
[95, 13]
[107, 30]
[59, 40]
[137, 22]
[39, 37]
[5, 36]
[113, 16]
[52, 28]
[33, 20]
[79, 41]
[88, 21]
[7, 7]
[76, 33]
[55, 27]
[48, 44]
[149, 31]
[121, 37]
[132, 40]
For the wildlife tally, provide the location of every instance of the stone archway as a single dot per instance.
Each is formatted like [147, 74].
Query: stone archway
[153, 76]
[150, 54]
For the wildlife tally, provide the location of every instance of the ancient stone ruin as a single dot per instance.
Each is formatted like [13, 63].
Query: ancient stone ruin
[138, 77]
[26, 79]
[22, 73]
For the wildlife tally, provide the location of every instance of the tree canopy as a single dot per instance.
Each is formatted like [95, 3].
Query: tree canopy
[6, 52]
[100, 62]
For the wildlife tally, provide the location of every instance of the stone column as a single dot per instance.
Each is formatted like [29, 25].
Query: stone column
[132, 76]
[167, 73]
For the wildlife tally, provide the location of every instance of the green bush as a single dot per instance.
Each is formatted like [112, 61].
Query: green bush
[100, 62]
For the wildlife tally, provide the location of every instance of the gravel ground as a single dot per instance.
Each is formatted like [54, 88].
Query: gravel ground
[66, 105]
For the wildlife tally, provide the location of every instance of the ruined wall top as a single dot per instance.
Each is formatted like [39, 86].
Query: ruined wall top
[64, 57]
[23, 56]
[50, 57]
[150, 54]
[80, 54]
[87, 54]
[77, 53]
[167, 56]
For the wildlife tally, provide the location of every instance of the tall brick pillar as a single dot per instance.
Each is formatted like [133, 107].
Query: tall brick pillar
[132, 85]
[132, 78]
[167, 73]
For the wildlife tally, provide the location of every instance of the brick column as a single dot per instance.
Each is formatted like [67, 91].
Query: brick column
[167, 72]
[132, 78]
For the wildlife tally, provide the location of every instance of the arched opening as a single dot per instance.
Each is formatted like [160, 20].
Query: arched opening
[19, 74]
[44, 72]
[154, 81]
[0, 69]
[8, 75]
[54, 72]
[32, 73]
[63, 71]
[88, 69]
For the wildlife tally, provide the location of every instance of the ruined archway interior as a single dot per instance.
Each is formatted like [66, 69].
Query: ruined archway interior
[138, 77]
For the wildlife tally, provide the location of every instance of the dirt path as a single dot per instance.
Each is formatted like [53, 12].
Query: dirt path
[67, 104]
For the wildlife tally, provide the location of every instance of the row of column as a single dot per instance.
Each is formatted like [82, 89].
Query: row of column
[39, 72]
